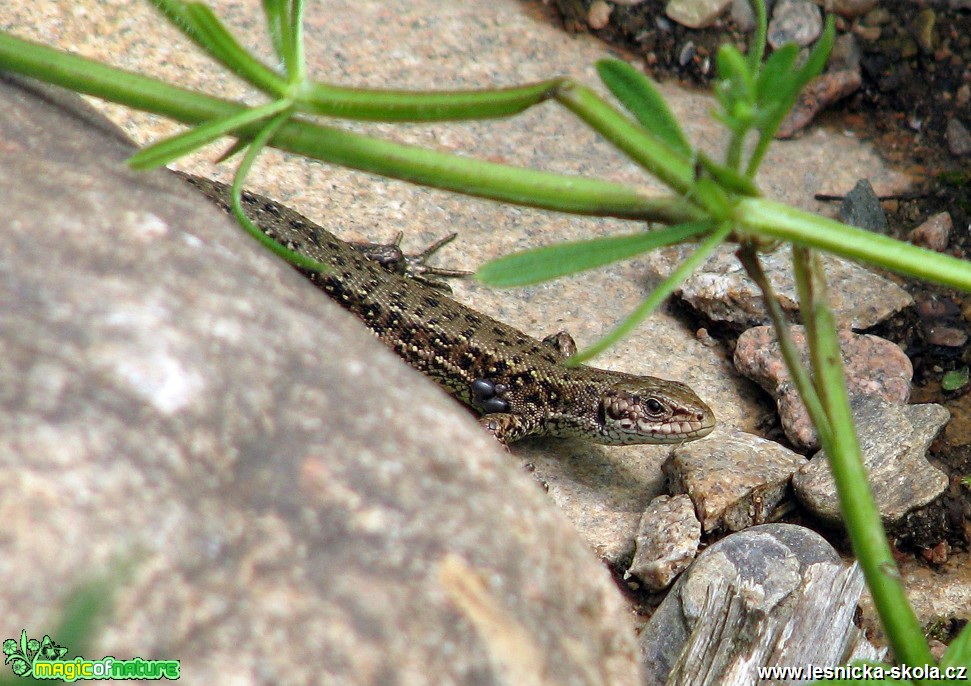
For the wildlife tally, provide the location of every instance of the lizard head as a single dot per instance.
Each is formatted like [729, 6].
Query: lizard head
[651, 410]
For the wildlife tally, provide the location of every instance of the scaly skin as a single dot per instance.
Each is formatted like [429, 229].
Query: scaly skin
[517, 383]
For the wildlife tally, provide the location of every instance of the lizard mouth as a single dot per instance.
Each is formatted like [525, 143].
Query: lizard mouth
[681, 430]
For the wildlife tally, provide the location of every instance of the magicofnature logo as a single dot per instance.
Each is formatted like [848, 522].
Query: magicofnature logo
[21, 656]
[45, 659]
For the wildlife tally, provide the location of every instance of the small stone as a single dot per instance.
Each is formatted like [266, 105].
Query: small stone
[851, 8]
[922, 28]
[696, 14]
[878, 16]
[936, 555]
[867, 33]
[821, 92]
[845, 54]
[873, 366]
[934, 233]
[794, 21]
[963, 95]
[666, 542]
[958, 138]
[945, 336]
[894, 440]
[936, 307]
[687, 53]
[742, 15]
[737, 482]
[861, 207]
[598, 16]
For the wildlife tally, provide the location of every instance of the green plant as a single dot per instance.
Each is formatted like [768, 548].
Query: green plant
[710, 201]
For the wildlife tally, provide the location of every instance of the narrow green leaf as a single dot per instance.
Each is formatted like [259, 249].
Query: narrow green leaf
[657, 296]
[276, 26]
[733, 68]
[776, 74]
[636, 92]
[553, 261]
[816, 61]
[669, 165]
[220, 43]
[771, 121]
[259, 142]
[174, 11]
[399, 105]
[174, 147]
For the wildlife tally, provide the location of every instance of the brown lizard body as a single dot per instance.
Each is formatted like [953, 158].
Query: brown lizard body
[517, 383]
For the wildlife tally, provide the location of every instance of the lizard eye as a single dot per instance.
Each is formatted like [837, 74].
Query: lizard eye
[654, 406]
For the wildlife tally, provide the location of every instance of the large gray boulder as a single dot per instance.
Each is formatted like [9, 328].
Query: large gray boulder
[271, 495]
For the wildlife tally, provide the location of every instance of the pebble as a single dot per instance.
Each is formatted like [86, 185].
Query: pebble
[736, 482]
[846, 54]
[873, 367]
[598, 16]
[894, 440]
[723, 292]
[922, 29]
[963, 95]
[958, 138]
[821, 92]
[742, 15]
[861, 208]
[794, 21]
[851, 8]
[933, 234]
[771, 576]
[687, 53]
[696, 14]
[666, 542]
[945, 336]
[935, 307]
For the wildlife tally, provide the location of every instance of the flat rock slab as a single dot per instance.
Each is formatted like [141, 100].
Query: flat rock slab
[285, 496]
[872, 365]
[894, 440]
[722, 290]
[736, 481]
[774, 595]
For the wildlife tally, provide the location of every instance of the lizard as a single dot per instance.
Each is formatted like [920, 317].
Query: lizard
[518, 385]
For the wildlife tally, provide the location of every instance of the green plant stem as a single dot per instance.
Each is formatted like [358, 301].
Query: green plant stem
[775, 220]
[410, 163]
[860, 513]
[801, 258]
[642, 146]
[748, 256]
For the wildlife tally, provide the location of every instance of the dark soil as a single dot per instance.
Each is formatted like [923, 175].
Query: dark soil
[911, 85]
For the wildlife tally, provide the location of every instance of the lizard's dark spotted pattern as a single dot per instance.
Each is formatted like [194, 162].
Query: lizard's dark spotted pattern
[518, 383]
